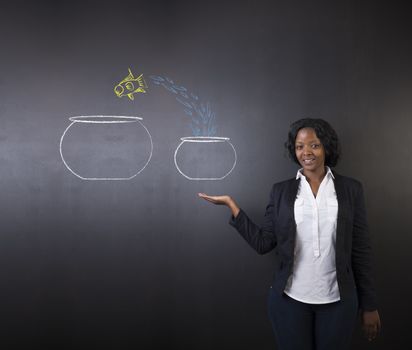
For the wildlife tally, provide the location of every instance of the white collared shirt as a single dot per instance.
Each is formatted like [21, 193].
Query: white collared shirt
[313, 279]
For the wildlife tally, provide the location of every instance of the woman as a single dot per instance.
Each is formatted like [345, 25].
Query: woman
[317, 222]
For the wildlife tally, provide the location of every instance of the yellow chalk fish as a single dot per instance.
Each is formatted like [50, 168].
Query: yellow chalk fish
[130, 85]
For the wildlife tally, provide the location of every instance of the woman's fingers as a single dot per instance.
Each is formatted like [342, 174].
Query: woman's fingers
[371, 324]
[371, 332]
[213, 199]
[205, 196]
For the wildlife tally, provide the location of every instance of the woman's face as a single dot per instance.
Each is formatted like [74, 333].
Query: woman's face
[309, 150]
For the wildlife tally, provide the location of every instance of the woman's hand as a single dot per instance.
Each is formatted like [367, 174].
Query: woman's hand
[371, 324]
[222, 200]
[225, 200]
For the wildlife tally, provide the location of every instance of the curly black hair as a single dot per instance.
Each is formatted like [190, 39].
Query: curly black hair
[324, 132]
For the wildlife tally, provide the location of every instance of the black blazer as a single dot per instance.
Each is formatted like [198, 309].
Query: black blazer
[353, 261]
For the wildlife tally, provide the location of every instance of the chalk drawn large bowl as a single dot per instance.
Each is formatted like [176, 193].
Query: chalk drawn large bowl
[205, 157]
[100, 147]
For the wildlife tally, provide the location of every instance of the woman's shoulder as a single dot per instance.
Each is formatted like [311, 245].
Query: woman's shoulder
[284, 184]
[347, 181]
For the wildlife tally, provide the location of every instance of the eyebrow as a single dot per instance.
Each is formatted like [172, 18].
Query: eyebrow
[311, 141]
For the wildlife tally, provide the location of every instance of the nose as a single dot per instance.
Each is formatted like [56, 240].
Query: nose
[307, 150]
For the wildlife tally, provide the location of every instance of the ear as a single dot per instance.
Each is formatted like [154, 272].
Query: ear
[131, 74]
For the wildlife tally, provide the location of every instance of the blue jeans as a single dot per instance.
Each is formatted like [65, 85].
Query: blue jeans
[301, 326]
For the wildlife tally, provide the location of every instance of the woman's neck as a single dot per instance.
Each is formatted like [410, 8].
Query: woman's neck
[315, 176]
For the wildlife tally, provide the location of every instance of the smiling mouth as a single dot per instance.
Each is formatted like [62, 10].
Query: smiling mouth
[309, 161]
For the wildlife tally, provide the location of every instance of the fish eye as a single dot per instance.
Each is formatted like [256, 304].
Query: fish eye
[119, 89]
[129, 86]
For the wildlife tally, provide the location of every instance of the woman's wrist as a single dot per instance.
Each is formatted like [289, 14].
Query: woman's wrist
[233, 207]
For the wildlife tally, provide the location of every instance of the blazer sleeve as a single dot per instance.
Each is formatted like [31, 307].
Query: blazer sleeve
[361, 255]
[261, 238]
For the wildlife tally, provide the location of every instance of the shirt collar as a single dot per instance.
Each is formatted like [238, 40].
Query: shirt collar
[299, 175]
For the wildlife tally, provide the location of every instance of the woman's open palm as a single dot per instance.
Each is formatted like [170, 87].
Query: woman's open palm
[220, 200]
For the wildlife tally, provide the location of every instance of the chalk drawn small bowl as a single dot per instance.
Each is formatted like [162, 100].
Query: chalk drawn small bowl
[205, 157]
[105, 147]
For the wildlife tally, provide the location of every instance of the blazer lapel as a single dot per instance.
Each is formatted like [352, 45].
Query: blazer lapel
[290, 198]
[342, 202]
[292, 193]
[340, 195]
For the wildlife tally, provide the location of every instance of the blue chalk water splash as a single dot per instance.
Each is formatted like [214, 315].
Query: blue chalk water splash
[202, 119]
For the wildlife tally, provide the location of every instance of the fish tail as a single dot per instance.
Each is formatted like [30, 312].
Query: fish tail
[141, 81]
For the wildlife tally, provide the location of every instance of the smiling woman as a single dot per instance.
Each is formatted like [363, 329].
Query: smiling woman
[317, 221]
[310, 154]
[313, 144]
[316, 132]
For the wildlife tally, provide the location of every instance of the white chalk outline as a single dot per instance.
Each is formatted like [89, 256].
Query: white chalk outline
[204, 139]
[105, 119]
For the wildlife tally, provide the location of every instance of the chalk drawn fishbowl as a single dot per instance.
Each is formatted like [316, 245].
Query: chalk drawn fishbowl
[100, 147]
[205, 157]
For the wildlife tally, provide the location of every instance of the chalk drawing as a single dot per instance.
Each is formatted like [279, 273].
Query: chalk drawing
[205, 157]
[120, 147]
[202, 118]
[102, 147]
[130, 86]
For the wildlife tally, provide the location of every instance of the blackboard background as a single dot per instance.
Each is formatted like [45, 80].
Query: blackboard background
[144, 264]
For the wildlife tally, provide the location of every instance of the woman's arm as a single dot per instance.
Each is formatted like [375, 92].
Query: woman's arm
[261, 238]
[361, 255]
[361, 265]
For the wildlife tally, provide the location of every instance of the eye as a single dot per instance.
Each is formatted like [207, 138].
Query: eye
[298, 147]
[316, 145]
